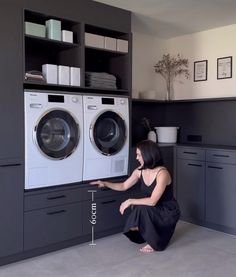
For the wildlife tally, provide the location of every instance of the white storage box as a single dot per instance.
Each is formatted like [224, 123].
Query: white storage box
[50, 73]
[63, 75]
[74, 76]
[122, 45]
[110, 43]
[94, 40]
[166, 134]
[67, 36]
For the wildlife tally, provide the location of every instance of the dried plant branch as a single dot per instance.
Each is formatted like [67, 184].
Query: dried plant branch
[170, 67]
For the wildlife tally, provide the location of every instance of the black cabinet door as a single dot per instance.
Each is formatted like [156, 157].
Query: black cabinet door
[191, 189]
[220, 194]
[11, 92]
[11, 210]
[55, 224]
[103, 214]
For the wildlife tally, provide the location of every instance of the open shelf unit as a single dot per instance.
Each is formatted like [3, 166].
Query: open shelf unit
[43, 50]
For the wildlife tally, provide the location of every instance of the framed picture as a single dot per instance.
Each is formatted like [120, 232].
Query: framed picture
[224, 67]
[200, 70]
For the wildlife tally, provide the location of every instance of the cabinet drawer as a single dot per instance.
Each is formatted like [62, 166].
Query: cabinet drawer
[99, 192]
[221, 156]
[52, 225]
[191, 153]
[44, 200]
[107, 214]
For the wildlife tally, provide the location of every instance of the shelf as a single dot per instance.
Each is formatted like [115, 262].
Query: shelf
[42, 50]
[149, 100]
[49, 42]
[136, 100]
[104, 50]
[39, 86]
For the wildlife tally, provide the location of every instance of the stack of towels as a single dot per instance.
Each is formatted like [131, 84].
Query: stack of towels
[100, 80]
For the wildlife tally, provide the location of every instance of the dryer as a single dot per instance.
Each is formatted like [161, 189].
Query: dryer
[106, 137]
[53, 139]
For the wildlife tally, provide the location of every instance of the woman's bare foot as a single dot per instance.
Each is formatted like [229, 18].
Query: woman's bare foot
[134, 228]
[147, 249]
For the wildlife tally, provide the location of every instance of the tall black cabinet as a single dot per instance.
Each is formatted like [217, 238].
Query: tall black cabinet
[11, 139]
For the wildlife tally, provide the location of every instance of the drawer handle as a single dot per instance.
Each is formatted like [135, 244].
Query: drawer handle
[56, 197]
[187, 152]
[221, 155]
[7, 165]
[108, 202]
[56, 212]
[215, 167]
[198, 165]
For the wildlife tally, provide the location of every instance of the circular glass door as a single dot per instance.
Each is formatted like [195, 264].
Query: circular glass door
[109, 133]
[57, 134]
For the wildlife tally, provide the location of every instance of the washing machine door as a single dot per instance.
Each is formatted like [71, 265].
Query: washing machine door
[108, 133]
[57, 134]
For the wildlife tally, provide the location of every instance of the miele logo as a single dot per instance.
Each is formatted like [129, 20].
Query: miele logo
[31, 94]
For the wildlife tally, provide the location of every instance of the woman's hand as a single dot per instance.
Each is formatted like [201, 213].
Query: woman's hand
[98, 183]
[124, 205]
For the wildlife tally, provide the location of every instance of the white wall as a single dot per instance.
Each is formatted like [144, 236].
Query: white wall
[147, 50]
[208, 45]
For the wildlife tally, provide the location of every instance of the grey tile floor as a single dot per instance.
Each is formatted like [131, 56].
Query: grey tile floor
[193, 251]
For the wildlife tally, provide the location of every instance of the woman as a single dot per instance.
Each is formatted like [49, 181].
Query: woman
[153, 218]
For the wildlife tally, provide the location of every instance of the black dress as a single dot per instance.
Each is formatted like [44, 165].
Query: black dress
[156, 224]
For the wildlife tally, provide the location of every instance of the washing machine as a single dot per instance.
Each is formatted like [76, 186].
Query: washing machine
[106, 137]
[53, 139]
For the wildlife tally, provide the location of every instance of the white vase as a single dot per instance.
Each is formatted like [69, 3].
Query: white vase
[152, 136]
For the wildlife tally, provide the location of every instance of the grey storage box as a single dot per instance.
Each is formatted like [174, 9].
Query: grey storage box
[34, 29]
[122, 45]
[94, 40]
[110, 43]
[53, 29]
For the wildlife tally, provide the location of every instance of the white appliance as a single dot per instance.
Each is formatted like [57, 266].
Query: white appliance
[106, 137]
[53, 139]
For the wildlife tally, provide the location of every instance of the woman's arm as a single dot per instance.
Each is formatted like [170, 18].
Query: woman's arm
[163, 179]
[132, 180]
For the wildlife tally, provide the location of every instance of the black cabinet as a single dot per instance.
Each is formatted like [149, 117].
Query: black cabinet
[52, 217]
[106, 213]
[11, 209]
[221, 188]
[56, 224]
[190, 179]
[11, 97]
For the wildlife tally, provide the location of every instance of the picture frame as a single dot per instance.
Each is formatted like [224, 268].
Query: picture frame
[224, 67]
[200, 70]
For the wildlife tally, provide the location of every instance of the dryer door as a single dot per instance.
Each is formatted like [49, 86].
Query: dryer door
[108, 134]
[57, 134]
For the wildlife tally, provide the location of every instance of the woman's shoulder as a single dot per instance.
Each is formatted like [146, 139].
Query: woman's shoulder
[162, 172]
[137, 172]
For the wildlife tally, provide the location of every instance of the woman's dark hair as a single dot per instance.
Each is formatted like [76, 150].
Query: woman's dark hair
[150, 153]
